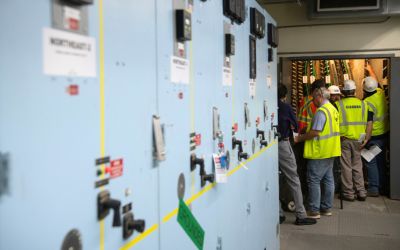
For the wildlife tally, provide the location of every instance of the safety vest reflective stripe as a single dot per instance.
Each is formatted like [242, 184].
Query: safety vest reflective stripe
[305, 119]
[309, 111]
[327, 136]
[331, 133]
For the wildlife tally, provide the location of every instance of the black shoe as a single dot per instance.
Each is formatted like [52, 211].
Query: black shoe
[361, 198]
[373, 194]
[305, 221]
[347, 198]
[282, 219]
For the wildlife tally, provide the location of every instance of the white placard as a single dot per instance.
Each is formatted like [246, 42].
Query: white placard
[369, 154]
[328, 79]
[252, 88]
[346, 77]
[312, 79]
[68, 54]
[71, 13]
[226, 76]
[220, 171]
[180, 72]
[305, 79]
[269, 81]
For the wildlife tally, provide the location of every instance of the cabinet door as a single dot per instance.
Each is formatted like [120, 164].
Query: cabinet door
[52, 137]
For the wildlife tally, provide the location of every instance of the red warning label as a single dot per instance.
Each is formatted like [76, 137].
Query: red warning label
[197, 139]
[116, 168]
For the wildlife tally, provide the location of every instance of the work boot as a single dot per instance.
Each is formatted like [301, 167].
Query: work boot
[326, 212]
[313, 215]
[305, 221]
[282, 219]
[361, 198]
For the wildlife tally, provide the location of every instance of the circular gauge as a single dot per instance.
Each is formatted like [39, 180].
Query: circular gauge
[72, 241]
[181, 186]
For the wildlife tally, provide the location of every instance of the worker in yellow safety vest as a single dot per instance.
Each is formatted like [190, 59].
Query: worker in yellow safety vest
[353, 119]
[322, 145]
[378, 109]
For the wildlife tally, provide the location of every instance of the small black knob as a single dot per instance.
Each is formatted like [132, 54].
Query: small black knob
[104, 204]
[115, 205]
[242, 155]
[207, 177]
[137, 225]
[262, 133]
[130, 225]
[235, 143]
[195, 161]
[263, 143]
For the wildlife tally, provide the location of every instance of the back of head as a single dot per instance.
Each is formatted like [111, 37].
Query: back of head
[349, 88]
[323, 92]
[370, 84]
[334, 90]
[319, 83]
[282, 91]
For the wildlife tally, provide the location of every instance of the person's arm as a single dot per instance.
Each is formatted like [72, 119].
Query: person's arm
[368, 133]
[368, 129]
[318, 124]
[307, 136]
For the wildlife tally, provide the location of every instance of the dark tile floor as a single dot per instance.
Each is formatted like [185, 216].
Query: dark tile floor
[370, 225]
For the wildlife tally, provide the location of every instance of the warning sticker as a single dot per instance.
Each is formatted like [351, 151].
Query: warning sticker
[116, 168]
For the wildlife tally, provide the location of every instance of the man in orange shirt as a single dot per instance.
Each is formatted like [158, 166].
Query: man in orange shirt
[307, 107]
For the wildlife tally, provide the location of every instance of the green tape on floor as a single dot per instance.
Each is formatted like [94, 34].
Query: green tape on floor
[190, 225]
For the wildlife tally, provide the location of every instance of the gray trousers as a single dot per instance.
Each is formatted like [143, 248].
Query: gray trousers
[287, 164]
[352, 171]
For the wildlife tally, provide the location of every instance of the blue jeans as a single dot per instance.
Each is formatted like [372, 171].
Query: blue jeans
[320, 172]
[377, 167]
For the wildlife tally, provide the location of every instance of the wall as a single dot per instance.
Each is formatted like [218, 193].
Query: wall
[378, 35]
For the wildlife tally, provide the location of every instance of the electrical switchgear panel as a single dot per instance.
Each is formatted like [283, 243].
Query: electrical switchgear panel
[253, 57]
[273, 38]
[183, 25]
[129, 155]
[257, 23]
[229, 44]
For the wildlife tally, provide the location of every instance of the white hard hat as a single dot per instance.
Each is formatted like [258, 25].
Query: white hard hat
[370, 84]
[334, 90]
[349, 85]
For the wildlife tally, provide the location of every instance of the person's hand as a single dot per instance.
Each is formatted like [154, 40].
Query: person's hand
[363, 144]
[296, 139]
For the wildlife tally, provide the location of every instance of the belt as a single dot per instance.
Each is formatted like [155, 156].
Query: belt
[284, 139]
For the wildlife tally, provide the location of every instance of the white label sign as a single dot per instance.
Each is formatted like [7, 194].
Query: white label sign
[220, 170]
[68, 54]
[312, 79]
[252, 88]
[179, 70]
[328, 79]
[305, 79]
[346, 77]
[269, 82]
[226, 76]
